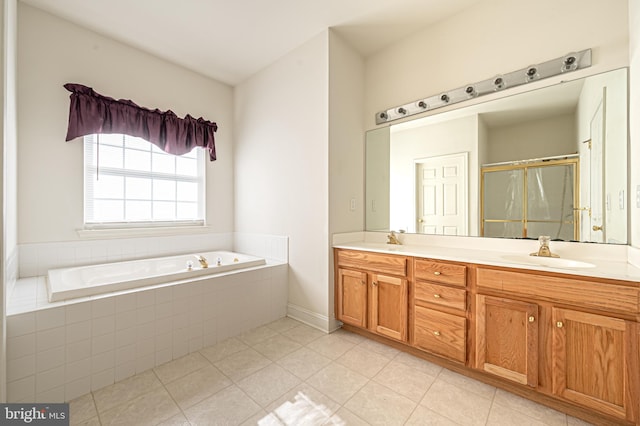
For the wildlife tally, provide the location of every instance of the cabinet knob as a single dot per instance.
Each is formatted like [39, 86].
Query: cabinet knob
[374, 283]
[532, 318]
[436, 273]
[597, 228]
[559, 324]
[437, 333]
[437, 296]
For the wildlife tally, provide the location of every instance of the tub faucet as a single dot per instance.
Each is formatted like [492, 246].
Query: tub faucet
[544, 250]
[392, 239]
[203, 261]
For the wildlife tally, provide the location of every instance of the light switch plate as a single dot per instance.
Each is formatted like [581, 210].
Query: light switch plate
[638, 196]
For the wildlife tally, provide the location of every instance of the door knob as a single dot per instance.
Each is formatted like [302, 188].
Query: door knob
[559, 324]
[597, 228]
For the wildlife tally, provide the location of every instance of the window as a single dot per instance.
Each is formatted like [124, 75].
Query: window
[131, 182]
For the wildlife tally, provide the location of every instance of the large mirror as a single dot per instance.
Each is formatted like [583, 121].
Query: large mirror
[552, 161]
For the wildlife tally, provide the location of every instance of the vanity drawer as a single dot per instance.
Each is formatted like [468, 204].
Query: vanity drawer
[441, 295]
[440, 333]
[446, 273]
[581, 292]
[389, 264]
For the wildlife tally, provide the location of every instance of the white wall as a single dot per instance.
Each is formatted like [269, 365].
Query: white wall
[8, 187]
[634, 113]
[282, 164]
[346, 159]
[611, 89]
[493, 37]
[377, 151]
[53, 52]
[533, 139]
[449, 137]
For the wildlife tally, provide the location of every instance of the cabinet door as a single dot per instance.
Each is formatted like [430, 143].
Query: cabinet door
[507, 339]
[352, 297]
[389, 306]
[593, 361]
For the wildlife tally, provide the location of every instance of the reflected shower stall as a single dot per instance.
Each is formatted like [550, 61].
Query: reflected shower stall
[526, 199]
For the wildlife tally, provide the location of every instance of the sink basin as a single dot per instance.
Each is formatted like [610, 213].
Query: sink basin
[551, 262]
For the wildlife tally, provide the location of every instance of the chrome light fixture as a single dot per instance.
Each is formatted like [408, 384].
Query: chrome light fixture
[568, 63]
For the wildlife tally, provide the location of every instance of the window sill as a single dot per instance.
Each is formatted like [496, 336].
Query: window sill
[107, 233]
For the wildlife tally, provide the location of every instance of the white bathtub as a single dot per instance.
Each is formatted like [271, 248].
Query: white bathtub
[83, 281]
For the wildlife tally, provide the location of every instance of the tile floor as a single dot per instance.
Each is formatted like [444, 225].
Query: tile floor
[287, 373]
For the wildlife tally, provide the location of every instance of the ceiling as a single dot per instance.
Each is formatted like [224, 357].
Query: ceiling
[230, 40]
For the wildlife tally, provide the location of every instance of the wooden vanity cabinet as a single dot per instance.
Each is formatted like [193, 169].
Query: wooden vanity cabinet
[593, 359]
[372, 292]
[507, 338]
[439, 323]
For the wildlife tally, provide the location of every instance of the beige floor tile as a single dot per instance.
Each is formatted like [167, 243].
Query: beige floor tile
[180, 367]
[531, 409]
[177, 420]
[230, 406]
[283, 324]
[261, 418]
[467, 383]
[307, 392]
[257, 335]
[196, 386]
[379, 348]
[125, 390]
[268, 384]
[337, 382]
[303, 334]
[242, 364]
[407, 381]
[352, 337]
[149, 409]
[458, 404]
[573, 421]
[331, 346]
[223, 349]
[276, 347]
[93, 421]
[422, 416]
[304, 362]
[418, 364]
[503, 416]
[362, 361]
[345, 417]
[82, 409]
[301, 408]
[379, 405]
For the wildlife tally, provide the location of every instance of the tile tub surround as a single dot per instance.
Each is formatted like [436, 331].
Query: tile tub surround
[289, 373]
[60, 351]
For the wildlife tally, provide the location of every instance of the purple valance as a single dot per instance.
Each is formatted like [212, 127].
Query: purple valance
[91, 113]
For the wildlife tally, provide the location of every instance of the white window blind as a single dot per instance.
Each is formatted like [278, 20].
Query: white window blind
[131, 182]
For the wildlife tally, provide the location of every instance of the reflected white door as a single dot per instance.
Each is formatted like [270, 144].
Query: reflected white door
[596, 184]
[442, 194]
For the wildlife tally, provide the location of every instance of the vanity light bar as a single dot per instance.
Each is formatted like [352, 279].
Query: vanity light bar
[562, 65]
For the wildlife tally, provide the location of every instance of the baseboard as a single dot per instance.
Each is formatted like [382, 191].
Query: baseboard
[313, 319]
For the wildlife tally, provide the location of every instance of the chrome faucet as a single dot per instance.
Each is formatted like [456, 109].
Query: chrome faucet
[203, 261]
[392, 239]
[544, 250]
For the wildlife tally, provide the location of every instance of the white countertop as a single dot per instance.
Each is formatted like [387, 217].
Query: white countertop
[602, 267]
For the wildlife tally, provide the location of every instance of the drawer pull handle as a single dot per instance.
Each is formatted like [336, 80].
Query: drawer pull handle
[559, 324]
[437, 296]
[437, 333]
[532, 318]
[437, 273]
